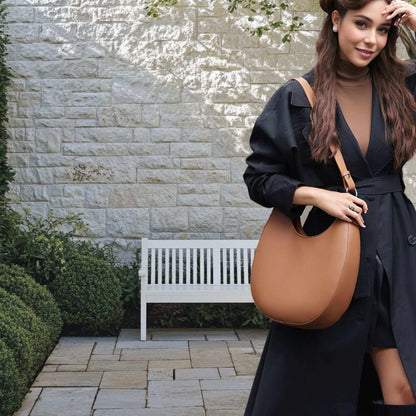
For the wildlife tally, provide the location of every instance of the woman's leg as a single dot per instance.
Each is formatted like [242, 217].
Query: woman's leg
[393, 379]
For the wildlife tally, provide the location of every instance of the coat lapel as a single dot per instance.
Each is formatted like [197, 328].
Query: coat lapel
[379, 153]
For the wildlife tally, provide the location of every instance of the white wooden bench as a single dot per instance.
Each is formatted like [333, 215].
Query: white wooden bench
[194, 271]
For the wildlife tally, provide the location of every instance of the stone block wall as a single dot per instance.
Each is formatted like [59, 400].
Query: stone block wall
[141, 124]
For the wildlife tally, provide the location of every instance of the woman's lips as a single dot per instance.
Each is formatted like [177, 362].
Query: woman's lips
[364, 53]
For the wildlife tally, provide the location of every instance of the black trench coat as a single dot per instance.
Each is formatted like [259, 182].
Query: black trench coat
[328, 372]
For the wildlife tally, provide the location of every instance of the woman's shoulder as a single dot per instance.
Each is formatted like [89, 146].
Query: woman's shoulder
[411, 74]
[411, 64]
[290, 93]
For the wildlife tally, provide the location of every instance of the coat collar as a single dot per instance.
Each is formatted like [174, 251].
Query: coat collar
[379, 152]
[299, 99]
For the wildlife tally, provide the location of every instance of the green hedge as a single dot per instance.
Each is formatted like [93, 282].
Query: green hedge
[19, 342]
[15, 280]
[12, 387]
[15, 311]
[88, 294]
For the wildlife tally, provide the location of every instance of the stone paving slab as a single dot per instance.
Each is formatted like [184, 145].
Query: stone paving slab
[245, 360]
[210, 354]
[152, 344]
[155, 354]
[29, 401]
[71, 353]
[105, 357]
[160, 374]
[80, 340]
[177, 372]
[105, 345]
[174, 411]
[120, 399]
[170, 364]
[248, 334]
[71, 367]
[167, 336]
[235, 384]
[225, 412]
[196, 373]
[222, 399]
[106, 365]
[226, 372]
[68, 401]
[124, 379]
[175, 393]
[68, 379]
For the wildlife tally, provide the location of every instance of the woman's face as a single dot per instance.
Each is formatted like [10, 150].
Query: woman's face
[362, 33]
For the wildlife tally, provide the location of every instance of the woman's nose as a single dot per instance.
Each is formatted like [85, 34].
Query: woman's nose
[371, 38]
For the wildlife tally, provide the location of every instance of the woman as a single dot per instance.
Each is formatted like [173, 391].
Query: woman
[366, 362]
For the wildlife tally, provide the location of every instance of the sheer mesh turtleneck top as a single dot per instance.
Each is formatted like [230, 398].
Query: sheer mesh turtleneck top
[353, 91]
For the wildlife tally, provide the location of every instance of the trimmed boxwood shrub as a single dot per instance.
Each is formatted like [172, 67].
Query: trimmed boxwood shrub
[22, 316]
[18, 341]
[12, 386]
[15, 280]
[89, 297]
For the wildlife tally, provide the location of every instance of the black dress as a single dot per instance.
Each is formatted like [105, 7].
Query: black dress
[381, 334]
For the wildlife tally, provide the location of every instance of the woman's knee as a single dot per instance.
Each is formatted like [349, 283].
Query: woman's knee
[393, 379]
[404, 393]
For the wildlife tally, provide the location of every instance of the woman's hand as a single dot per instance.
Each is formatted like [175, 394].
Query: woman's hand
[406, 12]
[339, 204]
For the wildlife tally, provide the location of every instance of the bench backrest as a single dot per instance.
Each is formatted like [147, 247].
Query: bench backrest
[198, 262]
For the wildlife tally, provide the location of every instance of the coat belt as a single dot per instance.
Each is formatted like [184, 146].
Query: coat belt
[376, 185]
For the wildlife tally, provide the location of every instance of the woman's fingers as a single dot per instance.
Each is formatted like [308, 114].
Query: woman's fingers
[354, 210]
[356, 214]
[361, 202]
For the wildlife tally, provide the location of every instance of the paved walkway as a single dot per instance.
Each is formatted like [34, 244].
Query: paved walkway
[176, 372]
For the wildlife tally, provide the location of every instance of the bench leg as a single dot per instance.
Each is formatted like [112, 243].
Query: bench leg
[143, 320]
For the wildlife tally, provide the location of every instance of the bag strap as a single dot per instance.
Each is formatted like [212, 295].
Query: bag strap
[336, 151]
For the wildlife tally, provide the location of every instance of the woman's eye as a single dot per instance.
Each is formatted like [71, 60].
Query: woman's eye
[384, 30]
[360, 24]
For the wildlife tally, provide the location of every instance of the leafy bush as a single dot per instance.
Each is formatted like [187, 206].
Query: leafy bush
[42, 246]
[215, 315]
[13, 308]
[18, 341]
[12, 388]
[15, 280]
[89, 296]
[6, 173]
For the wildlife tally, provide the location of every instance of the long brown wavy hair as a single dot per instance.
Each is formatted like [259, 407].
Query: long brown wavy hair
[389, 73]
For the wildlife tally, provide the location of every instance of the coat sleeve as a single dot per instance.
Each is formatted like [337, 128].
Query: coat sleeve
[411, 76]
[271, 176]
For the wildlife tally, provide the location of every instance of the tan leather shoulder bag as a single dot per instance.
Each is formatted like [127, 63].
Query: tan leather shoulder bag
[306, 281]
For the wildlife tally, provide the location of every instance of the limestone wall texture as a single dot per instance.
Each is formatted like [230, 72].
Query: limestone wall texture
[141, 124]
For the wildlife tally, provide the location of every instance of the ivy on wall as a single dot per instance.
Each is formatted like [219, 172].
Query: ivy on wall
[6, 173]
[260, 8]
[267, 10]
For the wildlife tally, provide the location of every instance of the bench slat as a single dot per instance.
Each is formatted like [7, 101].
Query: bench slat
[209, 266]
[245, 263]
[153, 269]
[239, 281]
[173, 274]
[188, 266]
[224, 266]
[180, 266]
